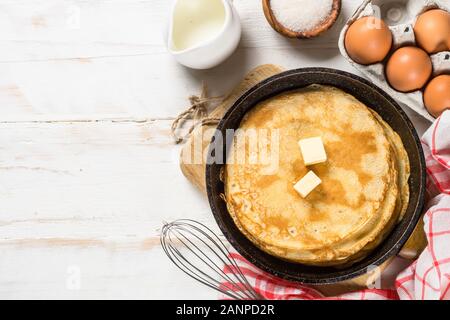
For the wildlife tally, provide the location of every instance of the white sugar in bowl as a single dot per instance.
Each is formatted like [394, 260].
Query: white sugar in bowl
[203, 33]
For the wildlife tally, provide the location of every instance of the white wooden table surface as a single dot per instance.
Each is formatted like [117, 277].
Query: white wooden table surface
[88, 171]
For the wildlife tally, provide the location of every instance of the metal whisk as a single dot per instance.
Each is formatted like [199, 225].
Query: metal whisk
[198, 251]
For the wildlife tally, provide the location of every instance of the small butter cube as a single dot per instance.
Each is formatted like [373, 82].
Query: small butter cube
[312, 150]
[307, 184]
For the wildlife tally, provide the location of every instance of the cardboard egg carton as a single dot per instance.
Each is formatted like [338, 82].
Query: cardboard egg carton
[400, 16]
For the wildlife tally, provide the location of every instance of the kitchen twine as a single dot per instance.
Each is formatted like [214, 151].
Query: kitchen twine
[198, 112]
[426, 278]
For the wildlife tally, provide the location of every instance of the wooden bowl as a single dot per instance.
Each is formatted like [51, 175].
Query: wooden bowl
[325, 25]
[371, 96]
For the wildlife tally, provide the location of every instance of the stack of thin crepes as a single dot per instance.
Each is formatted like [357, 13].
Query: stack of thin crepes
[364, 190]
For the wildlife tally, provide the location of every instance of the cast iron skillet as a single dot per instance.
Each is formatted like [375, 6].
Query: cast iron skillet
[371, 96]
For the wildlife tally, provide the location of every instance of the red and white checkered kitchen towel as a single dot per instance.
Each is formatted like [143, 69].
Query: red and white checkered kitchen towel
[426, 278]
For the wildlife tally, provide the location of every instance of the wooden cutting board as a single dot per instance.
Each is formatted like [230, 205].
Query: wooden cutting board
[195, 173]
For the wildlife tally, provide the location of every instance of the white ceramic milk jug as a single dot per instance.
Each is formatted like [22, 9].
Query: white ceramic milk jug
[203, 33]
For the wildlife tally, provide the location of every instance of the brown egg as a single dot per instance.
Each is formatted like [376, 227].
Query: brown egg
[408, 69]
[437, 95]
[368, 40]
[432, 31]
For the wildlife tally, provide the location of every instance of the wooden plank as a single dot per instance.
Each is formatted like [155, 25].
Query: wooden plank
[152, 86]
[72, 272]
[103, 181]
[40, 30]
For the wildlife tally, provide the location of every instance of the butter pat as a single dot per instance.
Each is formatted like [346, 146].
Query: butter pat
[312, 150]
[307, 184]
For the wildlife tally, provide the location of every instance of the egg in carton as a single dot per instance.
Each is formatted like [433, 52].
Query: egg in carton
[400, 16]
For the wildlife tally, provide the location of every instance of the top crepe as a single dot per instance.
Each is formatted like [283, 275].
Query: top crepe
[364, 188]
